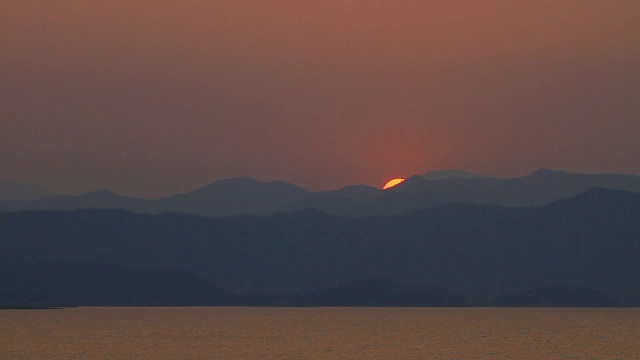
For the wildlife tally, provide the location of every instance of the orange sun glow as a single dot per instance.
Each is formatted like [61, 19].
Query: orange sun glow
[391, 183]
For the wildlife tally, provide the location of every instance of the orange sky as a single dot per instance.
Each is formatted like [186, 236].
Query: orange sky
[153, 97]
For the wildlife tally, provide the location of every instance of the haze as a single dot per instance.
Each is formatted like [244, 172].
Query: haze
[155, 97]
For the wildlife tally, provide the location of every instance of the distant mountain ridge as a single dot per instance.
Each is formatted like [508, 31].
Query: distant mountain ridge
[591, 240]
[248, 196]
[451, 174]
[234, 196]
[21, 191]
[221, 198]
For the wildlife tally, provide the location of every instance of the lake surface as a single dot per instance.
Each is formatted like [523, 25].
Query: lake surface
[320, 333]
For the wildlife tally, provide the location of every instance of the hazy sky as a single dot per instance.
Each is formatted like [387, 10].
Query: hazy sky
[152, 97]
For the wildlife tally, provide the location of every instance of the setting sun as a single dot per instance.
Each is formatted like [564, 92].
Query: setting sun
[391, 183]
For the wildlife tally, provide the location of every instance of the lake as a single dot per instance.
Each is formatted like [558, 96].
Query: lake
[320, 333]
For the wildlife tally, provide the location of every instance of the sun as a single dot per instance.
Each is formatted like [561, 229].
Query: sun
[391, 183]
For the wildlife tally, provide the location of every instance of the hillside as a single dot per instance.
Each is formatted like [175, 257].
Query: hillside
[590, 240]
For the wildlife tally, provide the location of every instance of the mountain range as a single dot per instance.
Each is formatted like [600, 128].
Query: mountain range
[21, 191]
[586, 246]
[247, 196]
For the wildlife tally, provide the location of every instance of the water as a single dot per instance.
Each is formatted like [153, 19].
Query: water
[320, 333]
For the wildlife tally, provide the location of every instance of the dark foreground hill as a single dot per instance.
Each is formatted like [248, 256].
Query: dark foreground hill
[69, 284]
[481, 251]
[90, 284]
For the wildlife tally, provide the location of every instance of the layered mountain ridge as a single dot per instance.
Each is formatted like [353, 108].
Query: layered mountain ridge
[481, 251]
[248, 196]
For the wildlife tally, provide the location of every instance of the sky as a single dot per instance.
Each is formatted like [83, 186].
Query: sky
[155, 97]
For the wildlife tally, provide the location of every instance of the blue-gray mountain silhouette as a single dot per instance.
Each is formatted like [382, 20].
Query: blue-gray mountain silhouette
[451, 174]
[221, 198]
[482, 251]
[234, 196]
[247, 196]
[21, 191]
[55, 284]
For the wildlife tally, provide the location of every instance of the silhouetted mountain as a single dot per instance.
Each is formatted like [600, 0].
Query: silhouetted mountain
[544, 186]
[247, 196]
[19, 191]
[451, 174]
[221, 198]
[99, 199]
[538, 188]
[418, 192]
[234, 196]
[351, 200]
[557, 296]
[356, 192]
[590, 240]
[90, 284]
[69, 284]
